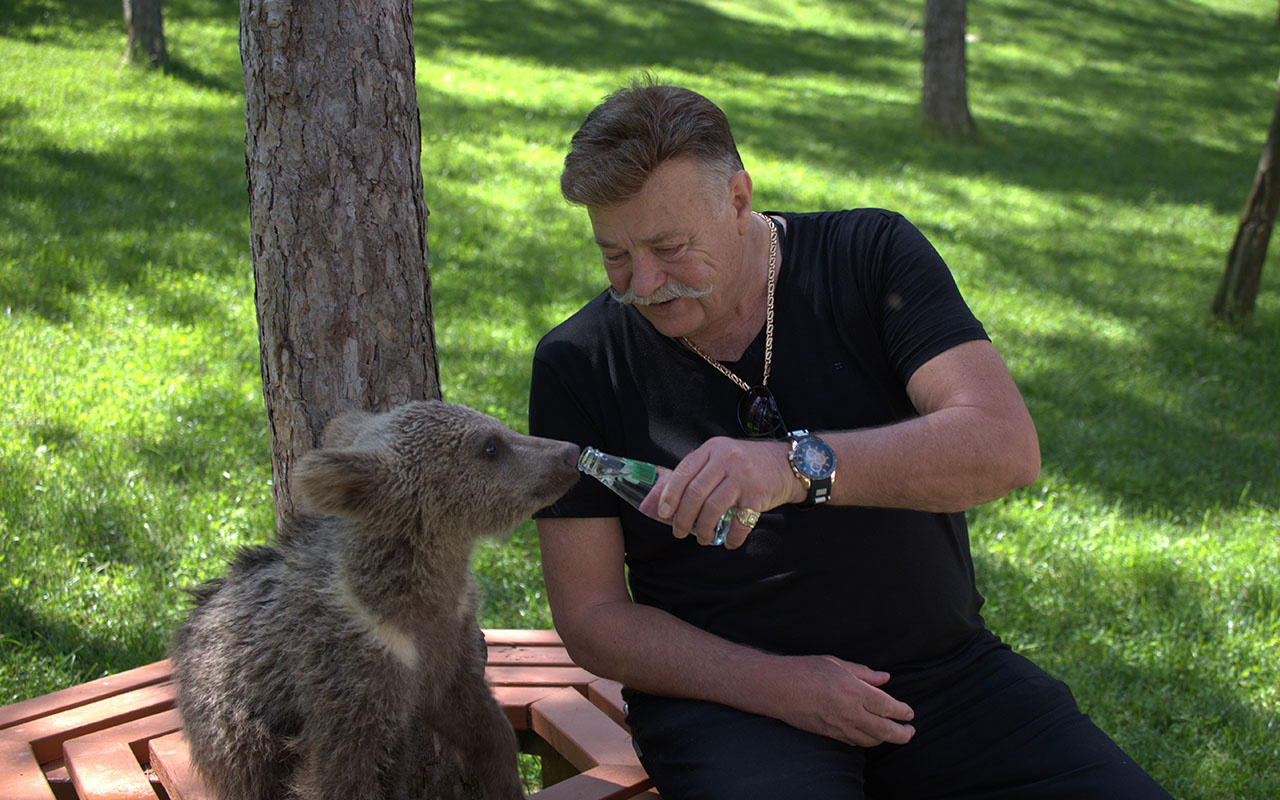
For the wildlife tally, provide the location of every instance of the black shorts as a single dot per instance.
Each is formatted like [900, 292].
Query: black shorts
[996, 726]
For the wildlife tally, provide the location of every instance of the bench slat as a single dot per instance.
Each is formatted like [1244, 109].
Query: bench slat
[529, 656]
[84, 693]
[581, 732]
[515, 702]
[606, 695]
[47, 734]
[576, 677]
[516, 637]
[20, 775]
[172, 764]
[106, 771]
[605, 782]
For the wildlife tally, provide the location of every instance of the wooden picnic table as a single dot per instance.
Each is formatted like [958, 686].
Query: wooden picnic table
[119, 738]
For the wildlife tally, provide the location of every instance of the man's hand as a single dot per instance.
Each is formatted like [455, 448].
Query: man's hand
[843, 701]
[723, 473]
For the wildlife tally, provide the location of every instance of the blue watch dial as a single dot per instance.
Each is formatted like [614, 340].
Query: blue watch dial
[814, 458]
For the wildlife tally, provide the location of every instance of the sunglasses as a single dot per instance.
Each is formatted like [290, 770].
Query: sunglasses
[758, 413]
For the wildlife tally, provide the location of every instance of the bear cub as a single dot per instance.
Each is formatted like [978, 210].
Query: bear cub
[315, 667]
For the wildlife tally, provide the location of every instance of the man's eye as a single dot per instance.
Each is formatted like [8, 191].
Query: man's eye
[669, 252]
[615, 258]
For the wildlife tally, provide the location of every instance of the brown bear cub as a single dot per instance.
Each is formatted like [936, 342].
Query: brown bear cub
[314, 669]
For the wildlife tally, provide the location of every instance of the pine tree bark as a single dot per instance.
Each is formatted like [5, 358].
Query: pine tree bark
[338, 234]
[1242, 279]
[144, 23]
[945, 103]
[338, 224]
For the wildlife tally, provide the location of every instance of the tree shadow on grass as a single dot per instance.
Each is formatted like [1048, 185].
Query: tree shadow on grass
[1043, 128]
[173, 204]
[211, 435]
[58, 21]
[677, 34]
[1154, 654]
[49, 644]
[1141, 398]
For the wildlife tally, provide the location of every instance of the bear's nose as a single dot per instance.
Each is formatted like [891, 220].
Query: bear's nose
[569, 454]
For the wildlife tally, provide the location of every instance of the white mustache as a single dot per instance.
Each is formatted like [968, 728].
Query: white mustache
[671, 290]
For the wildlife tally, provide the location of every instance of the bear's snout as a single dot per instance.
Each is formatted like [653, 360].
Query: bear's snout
[569, 453]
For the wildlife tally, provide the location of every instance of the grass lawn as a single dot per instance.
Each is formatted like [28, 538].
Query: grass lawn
[1087, 228]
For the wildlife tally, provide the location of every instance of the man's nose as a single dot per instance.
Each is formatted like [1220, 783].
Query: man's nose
[646, 275]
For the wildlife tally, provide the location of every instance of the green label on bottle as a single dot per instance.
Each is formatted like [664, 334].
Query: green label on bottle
[644, 471]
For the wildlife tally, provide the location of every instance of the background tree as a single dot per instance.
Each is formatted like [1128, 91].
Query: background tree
[1238, 289]
[144, 24]
[945, 102]
[338, 229]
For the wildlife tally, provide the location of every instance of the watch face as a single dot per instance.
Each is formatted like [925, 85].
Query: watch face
[814, 458]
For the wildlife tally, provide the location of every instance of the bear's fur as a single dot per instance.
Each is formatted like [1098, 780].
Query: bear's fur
[315, 668]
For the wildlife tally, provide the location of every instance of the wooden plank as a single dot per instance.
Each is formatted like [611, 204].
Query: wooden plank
[106, 771]
[138, 732]
[172, 764]
[576, 677]
[606, 695]
[20, 775]
[606, 782]
[581, 732]
[529, 656]
[515, 702]
[47, 734]
[513, 637]
[89, 692]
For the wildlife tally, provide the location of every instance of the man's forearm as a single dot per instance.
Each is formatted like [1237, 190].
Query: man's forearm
[652, 651]
[951, 460]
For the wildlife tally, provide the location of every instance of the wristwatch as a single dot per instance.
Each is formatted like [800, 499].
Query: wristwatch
[814, 463]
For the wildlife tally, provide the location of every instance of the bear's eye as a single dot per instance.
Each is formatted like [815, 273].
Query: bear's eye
[490, 449]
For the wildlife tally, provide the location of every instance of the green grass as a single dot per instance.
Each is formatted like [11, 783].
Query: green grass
[1087, 227]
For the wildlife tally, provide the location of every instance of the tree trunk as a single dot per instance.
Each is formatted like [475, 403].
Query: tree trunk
[1238, 289]
[145, 25]
[946, 100]
[338, 231]
[338, 225]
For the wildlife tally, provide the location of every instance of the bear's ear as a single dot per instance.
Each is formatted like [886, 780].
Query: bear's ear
[346, 482]
[342, 430]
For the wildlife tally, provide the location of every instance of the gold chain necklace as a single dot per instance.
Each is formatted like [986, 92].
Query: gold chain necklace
[768, 317]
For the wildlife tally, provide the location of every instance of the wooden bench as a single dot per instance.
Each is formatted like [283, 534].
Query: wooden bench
[119, 738]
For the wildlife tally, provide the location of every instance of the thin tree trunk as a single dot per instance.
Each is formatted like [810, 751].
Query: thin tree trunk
[1242, 279]
[338, 224]
[945, 102]
[144, 23]
[338, 234]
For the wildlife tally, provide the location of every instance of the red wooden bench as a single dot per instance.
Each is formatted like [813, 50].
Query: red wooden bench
[119, 738]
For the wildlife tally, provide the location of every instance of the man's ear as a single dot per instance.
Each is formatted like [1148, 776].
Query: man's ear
[740, 198]
[346, 482]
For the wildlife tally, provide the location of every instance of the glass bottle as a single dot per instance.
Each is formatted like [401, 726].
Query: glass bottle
[631, 480]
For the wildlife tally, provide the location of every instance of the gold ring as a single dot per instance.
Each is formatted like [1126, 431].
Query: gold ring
[748, 517]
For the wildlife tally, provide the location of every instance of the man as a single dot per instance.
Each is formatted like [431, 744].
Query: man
[821, 374]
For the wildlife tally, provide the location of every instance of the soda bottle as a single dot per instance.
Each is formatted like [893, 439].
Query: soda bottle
[631, 480]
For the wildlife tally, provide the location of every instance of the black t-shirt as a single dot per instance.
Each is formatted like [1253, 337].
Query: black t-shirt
[862, 301]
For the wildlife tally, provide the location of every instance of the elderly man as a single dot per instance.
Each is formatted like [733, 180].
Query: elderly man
[820, 373]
